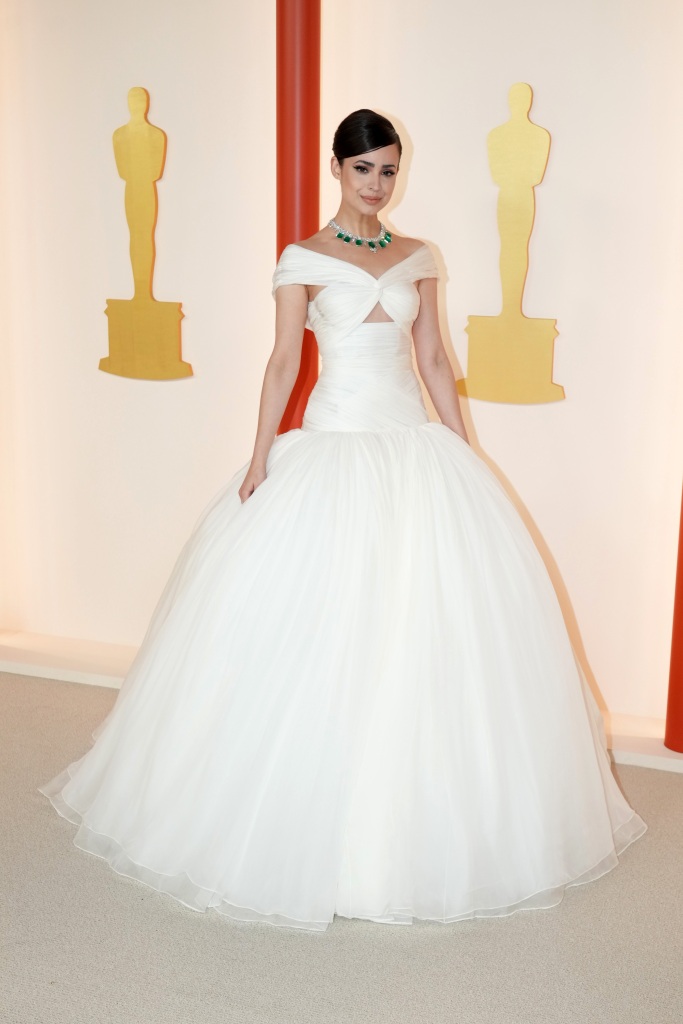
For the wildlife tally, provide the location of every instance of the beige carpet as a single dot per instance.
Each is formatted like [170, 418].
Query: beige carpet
[82, 944]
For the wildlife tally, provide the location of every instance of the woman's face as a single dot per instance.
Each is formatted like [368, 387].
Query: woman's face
[367, 181]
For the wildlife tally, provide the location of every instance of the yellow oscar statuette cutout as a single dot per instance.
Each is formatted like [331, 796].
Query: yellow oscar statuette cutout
[510, 356]
[144, 335]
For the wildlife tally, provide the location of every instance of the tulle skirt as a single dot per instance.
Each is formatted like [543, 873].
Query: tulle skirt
[357, 695]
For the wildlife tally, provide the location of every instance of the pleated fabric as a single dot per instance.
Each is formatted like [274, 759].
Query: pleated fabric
[356, 695]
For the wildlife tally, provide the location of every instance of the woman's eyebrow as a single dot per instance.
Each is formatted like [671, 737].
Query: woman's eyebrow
[369, 163]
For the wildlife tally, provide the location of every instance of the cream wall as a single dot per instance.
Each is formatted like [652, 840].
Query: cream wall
[107, 475]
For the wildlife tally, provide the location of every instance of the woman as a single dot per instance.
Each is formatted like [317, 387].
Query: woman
[356, 695]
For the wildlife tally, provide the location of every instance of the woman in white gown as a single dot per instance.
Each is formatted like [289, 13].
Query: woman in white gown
[356, 695]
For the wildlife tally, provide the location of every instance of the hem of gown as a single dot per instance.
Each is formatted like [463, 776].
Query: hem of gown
[186, 891]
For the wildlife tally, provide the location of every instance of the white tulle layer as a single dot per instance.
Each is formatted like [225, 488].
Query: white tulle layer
[356, 696]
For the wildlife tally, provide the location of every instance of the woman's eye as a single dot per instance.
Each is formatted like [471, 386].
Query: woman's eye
[363, 169]
[389, 174]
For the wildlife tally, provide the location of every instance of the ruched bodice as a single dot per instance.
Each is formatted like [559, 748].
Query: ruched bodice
[367, 381]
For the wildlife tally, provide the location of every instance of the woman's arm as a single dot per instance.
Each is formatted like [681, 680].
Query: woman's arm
[432, 361]
[282, 369]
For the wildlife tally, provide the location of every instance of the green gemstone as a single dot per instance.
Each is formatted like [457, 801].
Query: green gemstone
[347, 238]
[340, 234]
[372, 245]
[382, 243]
[387, 236]
[359, 241]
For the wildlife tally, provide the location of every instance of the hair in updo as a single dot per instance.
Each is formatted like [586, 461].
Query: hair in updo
[361, 132]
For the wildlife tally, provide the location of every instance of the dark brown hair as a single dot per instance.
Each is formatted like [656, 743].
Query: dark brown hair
[361, 132]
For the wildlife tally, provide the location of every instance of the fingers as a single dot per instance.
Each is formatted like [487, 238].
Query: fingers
[248, 487]
[249, 492]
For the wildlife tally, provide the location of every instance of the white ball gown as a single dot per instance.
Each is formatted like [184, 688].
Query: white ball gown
[356, 695]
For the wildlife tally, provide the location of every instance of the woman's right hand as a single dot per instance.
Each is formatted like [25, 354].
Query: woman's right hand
[256, 474]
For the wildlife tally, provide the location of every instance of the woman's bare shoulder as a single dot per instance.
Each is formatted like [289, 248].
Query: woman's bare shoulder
[413, 243]
[406, 244]
[319, 242]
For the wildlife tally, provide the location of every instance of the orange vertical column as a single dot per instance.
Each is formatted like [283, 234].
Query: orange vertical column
[298, 158]
[673, 737]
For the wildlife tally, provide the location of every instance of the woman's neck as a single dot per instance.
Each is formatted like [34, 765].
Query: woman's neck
[366, 226]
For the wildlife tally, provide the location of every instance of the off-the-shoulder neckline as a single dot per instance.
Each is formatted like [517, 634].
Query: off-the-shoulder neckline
[355, 266]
